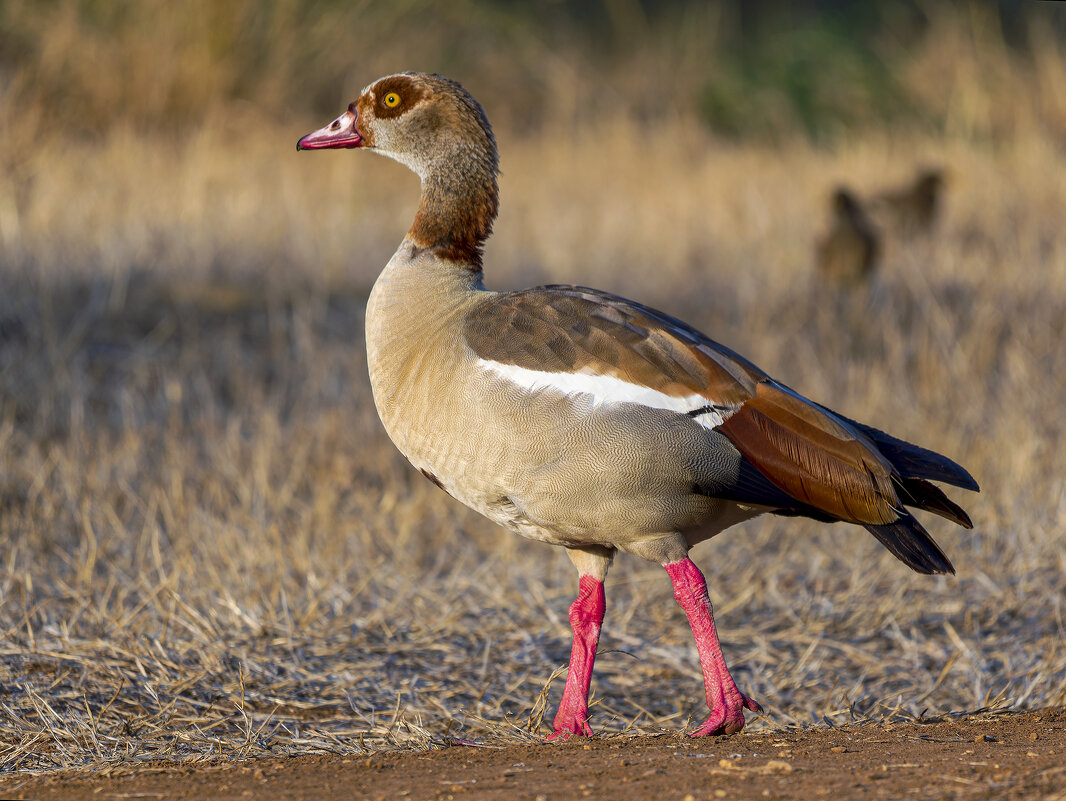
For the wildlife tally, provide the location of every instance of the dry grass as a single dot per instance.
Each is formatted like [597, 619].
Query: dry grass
[212, 551]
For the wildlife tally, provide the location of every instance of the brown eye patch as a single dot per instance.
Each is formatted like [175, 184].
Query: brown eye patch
[395, 95]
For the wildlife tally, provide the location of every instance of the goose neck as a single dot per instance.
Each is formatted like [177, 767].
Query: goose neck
[460, 198]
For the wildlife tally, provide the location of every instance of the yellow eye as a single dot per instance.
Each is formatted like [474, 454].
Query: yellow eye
[392, 100]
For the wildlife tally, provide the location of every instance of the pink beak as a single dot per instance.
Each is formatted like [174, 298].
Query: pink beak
[342, 132]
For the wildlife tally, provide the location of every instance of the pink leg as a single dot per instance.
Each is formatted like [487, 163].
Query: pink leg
[586, 616]
[726, 703]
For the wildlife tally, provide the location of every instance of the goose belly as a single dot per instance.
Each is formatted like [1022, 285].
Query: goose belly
[545, 464]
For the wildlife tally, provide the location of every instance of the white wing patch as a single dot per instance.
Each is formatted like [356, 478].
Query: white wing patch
[604, 389]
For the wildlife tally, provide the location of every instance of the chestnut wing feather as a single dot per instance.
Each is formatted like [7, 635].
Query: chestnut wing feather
[813, 456]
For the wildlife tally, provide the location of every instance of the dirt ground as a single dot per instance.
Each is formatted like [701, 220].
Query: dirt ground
[1003, 756]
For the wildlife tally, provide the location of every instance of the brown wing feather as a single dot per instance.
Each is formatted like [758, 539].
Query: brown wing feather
[574, 329]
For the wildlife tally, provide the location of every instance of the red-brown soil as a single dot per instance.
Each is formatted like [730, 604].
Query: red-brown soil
[1004, 756]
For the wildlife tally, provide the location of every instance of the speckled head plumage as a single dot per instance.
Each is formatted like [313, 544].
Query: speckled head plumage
[417, 119]
[432, 125]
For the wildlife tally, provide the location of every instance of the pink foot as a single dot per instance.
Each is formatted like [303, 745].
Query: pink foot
[726, 702]
[586, 617]
[728, 716]
[565, 729]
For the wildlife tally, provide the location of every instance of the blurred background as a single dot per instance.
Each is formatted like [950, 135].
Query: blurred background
[136, 132]
[209, 548]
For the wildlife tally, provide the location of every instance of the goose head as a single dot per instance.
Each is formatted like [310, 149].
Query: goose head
[416, 118]
[435, 127]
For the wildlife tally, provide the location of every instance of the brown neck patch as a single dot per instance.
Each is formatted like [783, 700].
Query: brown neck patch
[460, 194]
[454, 220]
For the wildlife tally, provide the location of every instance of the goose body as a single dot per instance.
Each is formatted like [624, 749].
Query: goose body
[582, 419]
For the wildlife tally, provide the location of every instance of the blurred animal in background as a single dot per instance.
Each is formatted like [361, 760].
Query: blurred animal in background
[849, 252]
[912, 210]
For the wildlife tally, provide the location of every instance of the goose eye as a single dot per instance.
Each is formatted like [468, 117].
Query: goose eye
[392, 100]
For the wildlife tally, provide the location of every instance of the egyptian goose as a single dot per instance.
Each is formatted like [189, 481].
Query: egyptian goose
[582, 419]
[848, 253]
